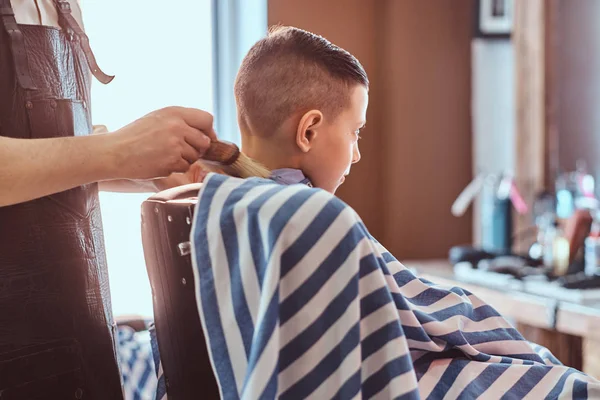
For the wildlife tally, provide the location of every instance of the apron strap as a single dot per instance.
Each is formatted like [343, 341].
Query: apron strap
[69, 24]
[17, 45]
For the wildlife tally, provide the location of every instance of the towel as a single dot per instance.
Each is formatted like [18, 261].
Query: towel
[137, 364]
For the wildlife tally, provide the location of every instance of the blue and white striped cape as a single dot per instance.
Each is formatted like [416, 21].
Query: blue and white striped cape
[297, 300]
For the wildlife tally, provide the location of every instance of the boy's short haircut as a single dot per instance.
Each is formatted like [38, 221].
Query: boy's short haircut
[293, 71]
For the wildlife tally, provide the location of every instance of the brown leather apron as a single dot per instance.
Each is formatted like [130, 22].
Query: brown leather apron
[56, 326]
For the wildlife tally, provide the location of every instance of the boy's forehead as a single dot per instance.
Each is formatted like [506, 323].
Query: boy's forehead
[354, 114]
[359, 101]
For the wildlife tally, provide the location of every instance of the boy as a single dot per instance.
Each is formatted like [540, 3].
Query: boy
[301, 103]
[296, 297]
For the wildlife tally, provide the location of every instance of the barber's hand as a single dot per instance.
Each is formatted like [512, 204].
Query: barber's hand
[194, 174]
[163, 142]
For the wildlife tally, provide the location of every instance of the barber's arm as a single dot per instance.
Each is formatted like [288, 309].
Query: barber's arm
[162, 143]
[193, 175]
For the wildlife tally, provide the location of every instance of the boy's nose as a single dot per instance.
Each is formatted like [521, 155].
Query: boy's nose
[356, 155]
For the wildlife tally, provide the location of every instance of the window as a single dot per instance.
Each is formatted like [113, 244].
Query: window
[161, 54]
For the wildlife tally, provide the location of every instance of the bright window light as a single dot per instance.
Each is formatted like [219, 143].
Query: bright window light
[161, 54]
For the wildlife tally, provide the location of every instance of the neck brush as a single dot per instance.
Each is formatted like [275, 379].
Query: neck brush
[225, 157]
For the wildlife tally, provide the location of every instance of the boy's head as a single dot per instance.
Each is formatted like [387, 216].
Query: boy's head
[301, 102]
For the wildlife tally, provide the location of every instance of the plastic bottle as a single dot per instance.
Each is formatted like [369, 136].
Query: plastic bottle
[560, 253]
[556, 249]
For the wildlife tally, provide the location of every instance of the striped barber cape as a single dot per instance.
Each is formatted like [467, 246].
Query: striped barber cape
[298, 300]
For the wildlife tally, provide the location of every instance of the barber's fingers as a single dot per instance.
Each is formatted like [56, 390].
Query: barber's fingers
[197, 172]
[198, 119]
[197, 139]
[189, 153]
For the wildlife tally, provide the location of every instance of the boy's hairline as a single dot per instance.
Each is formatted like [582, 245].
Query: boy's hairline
[329, 117]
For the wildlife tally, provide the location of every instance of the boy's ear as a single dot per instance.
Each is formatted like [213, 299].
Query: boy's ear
[308, 128]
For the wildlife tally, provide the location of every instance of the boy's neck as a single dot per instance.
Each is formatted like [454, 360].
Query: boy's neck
[269, 153]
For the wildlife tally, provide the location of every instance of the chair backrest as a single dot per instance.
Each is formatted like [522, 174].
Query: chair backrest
[166, 225]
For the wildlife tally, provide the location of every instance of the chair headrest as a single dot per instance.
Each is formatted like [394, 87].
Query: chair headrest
[177, 193]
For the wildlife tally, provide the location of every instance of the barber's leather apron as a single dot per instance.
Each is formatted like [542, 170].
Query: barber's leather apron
[56, 326]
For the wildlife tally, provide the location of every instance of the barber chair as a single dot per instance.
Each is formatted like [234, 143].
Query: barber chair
[166, 225]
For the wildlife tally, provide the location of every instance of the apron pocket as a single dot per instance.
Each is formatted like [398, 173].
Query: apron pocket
[52, 118]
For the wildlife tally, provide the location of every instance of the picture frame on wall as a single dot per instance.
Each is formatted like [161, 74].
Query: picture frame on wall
[494, 18]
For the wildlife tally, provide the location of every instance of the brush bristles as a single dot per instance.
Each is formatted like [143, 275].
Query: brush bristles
[243, 167]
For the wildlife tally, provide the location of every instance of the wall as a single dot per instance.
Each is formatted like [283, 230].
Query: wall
[416, 151]
[425, 59]
[578, 61]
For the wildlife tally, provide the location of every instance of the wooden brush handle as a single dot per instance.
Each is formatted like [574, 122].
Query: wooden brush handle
[223, 153]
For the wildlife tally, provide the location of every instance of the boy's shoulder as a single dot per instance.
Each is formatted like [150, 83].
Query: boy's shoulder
[272, 212]
[254, 193]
